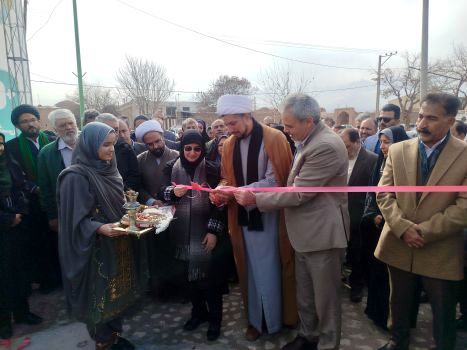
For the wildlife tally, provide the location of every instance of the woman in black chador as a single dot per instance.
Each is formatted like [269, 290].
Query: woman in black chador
[377, 308]
[198, 233]
[15, 277]
[104, 271]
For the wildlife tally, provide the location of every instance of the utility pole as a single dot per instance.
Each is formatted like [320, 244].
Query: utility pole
[424, 58]
[78, 65]
[378, 83]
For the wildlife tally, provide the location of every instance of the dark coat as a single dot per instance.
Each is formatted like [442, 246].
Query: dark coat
[360, 176]
[49, 166]
[127, 165]
[151, 173]
[139, 148]
[12, 147]
[14, 263]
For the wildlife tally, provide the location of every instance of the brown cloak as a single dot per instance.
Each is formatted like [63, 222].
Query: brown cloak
[278, 151]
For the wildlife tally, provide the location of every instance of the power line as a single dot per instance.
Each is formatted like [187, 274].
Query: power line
[47, 21]
[236, 45]
[304, 45]
[194, 92]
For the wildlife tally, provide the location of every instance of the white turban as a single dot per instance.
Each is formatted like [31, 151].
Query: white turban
[147, 126]
[234, 104]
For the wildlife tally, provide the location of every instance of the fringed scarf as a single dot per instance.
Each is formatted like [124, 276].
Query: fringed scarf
[30, 162]
[253, 218]
[190, 226]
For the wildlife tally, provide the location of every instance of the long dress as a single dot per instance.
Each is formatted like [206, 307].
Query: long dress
[262, 252]
[15, 285]
[202, 272]
[102, 276]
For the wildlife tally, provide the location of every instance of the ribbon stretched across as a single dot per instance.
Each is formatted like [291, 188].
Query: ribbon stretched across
[338, 189]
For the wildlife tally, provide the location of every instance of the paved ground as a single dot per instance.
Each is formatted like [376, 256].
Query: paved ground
[158, 326]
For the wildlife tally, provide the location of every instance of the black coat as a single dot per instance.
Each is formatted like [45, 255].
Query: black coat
[361, 175]
[127, 165]
[14, 263]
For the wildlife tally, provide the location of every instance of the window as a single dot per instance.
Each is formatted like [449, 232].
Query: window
[171, 111]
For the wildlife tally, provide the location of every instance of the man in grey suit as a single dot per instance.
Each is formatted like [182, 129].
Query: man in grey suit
[317, 223]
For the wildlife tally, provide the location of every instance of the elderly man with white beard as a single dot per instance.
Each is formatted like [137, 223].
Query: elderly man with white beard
[52, 159]
[55, 157]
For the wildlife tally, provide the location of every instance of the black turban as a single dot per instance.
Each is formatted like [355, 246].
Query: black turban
[21, 109]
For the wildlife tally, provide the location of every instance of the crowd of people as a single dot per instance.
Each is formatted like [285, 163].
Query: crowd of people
[62, 197]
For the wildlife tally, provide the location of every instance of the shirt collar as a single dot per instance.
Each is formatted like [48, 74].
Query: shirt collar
[301, 144]
[435, 145]
[63, 145]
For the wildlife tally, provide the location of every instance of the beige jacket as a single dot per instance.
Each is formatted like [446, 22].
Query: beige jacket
[441, 216]
[315, 221]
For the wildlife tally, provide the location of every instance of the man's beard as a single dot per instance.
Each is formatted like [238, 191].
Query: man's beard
[31, 132]
[70, 139]
[158, 152]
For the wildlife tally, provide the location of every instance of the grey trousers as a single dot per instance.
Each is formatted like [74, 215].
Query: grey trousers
[318, 277]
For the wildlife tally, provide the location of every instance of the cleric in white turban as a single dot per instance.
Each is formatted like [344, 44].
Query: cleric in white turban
[234, 104]
[148, 126]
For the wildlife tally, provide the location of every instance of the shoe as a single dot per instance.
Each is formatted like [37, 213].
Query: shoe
[252, 333]
[461, 323]
[393, 346]
[356, 295]
[29, 319]
[214, 331]
[300, 343]
[6, 331]
[193, 323]
[123, 344]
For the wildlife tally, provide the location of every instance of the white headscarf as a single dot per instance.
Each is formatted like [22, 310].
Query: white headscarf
[234, 104]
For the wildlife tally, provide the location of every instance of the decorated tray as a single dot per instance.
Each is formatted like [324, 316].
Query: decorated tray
[158, 218]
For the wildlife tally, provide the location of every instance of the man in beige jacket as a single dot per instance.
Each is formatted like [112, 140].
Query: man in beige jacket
[317, 223]
[422, 238]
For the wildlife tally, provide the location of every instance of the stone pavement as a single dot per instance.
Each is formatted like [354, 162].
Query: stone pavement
[158, 326]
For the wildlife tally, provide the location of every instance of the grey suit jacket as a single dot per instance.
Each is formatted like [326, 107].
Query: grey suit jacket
[315, 221]
[151, 173]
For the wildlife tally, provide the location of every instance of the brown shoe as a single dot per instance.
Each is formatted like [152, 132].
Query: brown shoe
[252, 333]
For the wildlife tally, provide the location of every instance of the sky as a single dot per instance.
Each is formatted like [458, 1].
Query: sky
[178, 35]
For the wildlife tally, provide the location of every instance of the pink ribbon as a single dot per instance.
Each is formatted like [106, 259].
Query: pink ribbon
[7, 343]
[334, 189]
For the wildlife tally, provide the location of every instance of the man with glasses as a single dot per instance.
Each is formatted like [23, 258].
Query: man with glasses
[151, 165]
[125, 134]
[389, 116]
[127, 163]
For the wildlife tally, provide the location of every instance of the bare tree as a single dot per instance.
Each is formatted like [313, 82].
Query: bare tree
[451, 74]
[279, 81]
[223, 85]
[146, 83]
[96, 97]
[404, 84]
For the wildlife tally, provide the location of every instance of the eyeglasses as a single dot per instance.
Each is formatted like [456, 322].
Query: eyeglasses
[194, 149]
[384, 119]
[30, 121]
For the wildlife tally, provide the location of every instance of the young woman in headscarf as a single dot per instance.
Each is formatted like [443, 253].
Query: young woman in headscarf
[15, 284]
[103, 270]
[377, 308]
[198, 232]
[203, 130]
